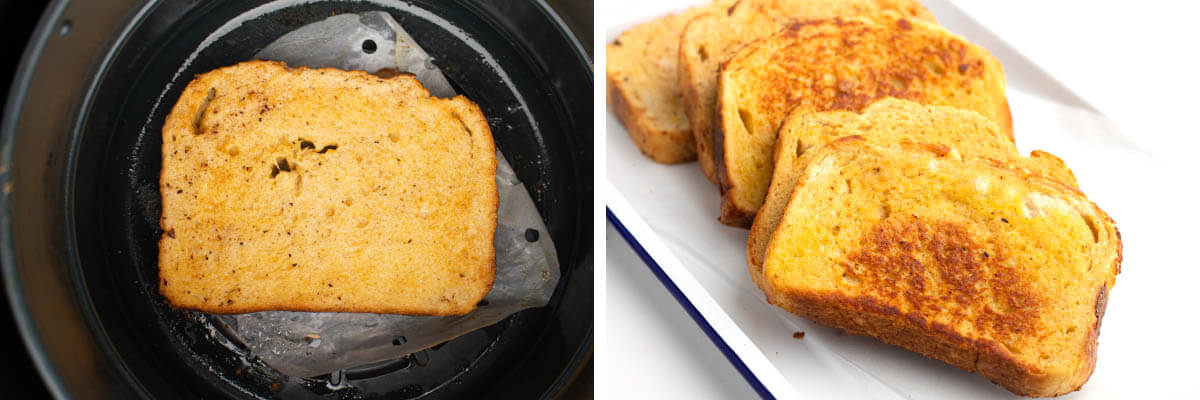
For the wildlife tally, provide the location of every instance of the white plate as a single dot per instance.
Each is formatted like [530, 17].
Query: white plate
[668, 215]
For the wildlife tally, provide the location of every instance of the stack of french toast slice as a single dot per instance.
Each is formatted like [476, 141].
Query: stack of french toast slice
[871, 154]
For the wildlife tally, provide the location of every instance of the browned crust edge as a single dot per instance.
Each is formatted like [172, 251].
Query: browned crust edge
[862, 315]
[731, 214]
[1007, 123]
[705, 145]
[282, 306]
[759, 238]
[486, 144]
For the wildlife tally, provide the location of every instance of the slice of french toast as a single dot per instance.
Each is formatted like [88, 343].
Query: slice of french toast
[643, 90]
[711, 38]
[887, 121]
[964, 260]
[325, 190]
[838, 64]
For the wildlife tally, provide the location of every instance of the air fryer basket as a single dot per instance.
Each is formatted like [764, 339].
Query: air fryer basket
[80, 164]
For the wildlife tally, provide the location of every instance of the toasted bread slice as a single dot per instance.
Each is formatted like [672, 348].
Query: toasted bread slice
[967, 261]
[643, 87]
[325, 190]
[838, 64]
[711, 38]
[887, 121]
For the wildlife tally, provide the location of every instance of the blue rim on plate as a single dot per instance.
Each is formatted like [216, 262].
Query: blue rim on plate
[683, 300]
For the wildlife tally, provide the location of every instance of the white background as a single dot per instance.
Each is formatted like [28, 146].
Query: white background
[1138, 63]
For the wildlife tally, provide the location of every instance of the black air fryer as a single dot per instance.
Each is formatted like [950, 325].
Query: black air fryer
[79, 162]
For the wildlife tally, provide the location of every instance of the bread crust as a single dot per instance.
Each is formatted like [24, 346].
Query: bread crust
[731, 213]
[864, 316]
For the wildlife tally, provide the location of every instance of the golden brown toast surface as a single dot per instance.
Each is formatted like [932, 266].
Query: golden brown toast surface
[885, 122]
[838, 64]
[325, 190]
[711, 38]
[643, 88]
[985, 267]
